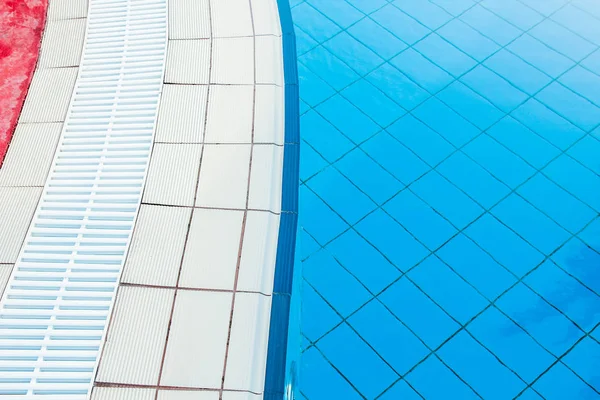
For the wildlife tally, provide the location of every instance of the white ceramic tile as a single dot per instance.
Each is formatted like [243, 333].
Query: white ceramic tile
[62, 43]
[229, 117]
[211, 254]
[157, 246]
[259, 252]
[189, 19]
[30, 154]
[269, 114]
[67, 9]
[241, 396]
[188, 61]
[266, 17]
[116, 393]
[197, 340]
[231, 18]
[269, 60]
[188, 395]
[233, 61]
[246, 360]
[49, 94]
[223, 179]
[17, 206]
[135, 342]
[5, 271]
[172, 175]
[265, 177]
[182, 114]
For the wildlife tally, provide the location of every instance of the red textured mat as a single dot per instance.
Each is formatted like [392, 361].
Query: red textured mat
[21, 26]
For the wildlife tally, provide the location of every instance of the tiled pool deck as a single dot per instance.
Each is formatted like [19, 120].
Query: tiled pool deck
[450, 197]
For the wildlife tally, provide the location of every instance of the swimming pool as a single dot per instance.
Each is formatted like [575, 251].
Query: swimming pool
[449, 198]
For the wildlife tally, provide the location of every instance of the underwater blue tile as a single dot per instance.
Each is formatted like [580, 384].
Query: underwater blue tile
[584, 359]
[543, 322]
[545, 7]
[436, 382]
[341, 195]
[373, 102]
[579, 22]
[443, 196]
[376, 38]
[421, 220]
[395, 158]
[570, 105]
[306, 245]
[504, 245]
[446, 122]
[370, 177]
[313, 89]
[596, 333]
[524, 142]
[400, 24]
[581, 261]
[494, 88]
[355, 54]
[475, 181]
[353, 123]
[591, 235]
[454, 7]
[322, 317]
[328, 67]
[468, 39]
[512, 68]
[561, 383]
[562, 40]
[530, 394]
[303, 107]
[590, 6]
[362, 366]
[592, 62]
[367, 6]
[586, 152]
[540, 56]
[400, 390]
[392, 240]
[304, 42]
[313, 22]
[429, 14]
[418, 68]
[304, 344]
[557, 203]
[445, 55]
[479, 368]
[511, 344]
[321, 381]
[363, 261]
[576, 179]
[421, 139]
[310, 162]
[447, 289]
[380, 328]
[340, 12]
[340, 289]
[294, 3]
[539, 230]
[330, 143]
[547, 124]
[319, 220]
[475, 108]
[410, 304]
[479, 269]
[499, 161]
[567, 294]
[491, 25]
[397, 86]
[514, 12]
[583, 82]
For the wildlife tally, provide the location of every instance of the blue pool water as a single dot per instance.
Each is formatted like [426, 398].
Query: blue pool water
[449, 200]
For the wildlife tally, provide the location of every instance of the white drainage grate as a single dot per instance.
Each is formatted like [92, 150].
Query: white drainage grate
[55, 309]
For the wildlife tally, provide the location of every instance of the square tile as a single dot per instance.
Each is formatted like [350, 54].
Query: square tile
[64, 9]
[198, 395]
[515, 70]
[543, 322]
[347, 295]
[577, 259]
[329, 142]
[561, 383]
[479, 368]
[55, 52]
[428, 14]
[409, 304]
[318, 219]
[266, 178]
[375, 36]
[120, 393]
[329, 67]
[491, 25]
[57, 82]
[563, 169]
[188, 62]
[479, 268]
[367, 6]
[352, 52]
[494, 88]
[313, 22]
[224, 125]
[232, 61]
[504, 245]
[319, 317]
[540, 56]
[435, 381]
[400, 24]
[311, 162]
[340, 12]
[583, 82]
[514, 12]
[530, 394]
[562, 40]
[400, 390]
[592, 62]
[313, 89]
[362, 366]
[445, 55]
[545, 7]
[396, 244]
[468, 40]
[379, 328]
[454, 7]
[269, 114]
[268, 60]
[447, 199]
[511, 344]
[226, 24]
[418, 68]
[181, 114]
[397, 86]
[580, 22]
[584, 360]
[17, 207]
[352, 122]
[591, 235]
[184, 18]
[373, 102]
[304, 42]
[417, 217]
[570, 105]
